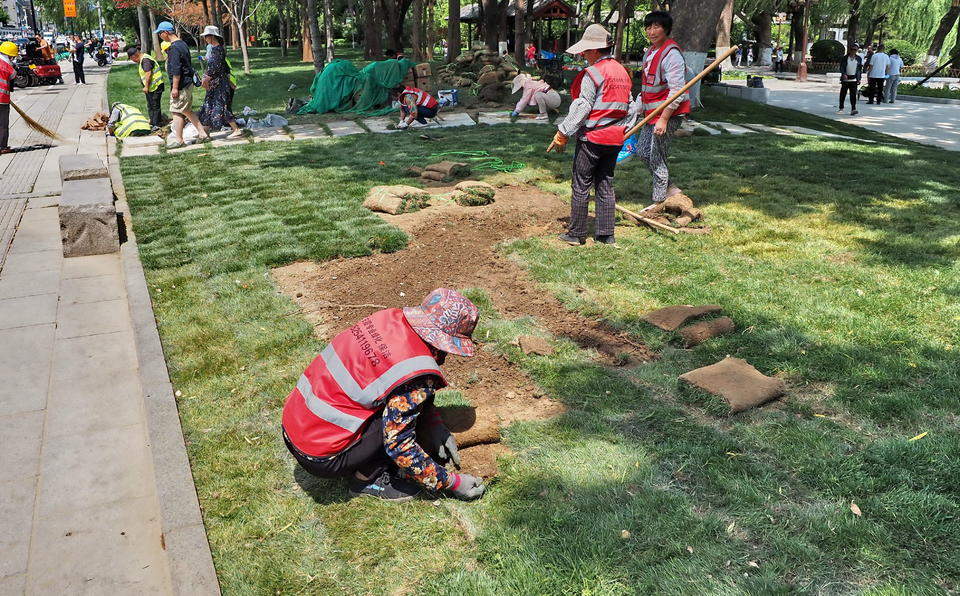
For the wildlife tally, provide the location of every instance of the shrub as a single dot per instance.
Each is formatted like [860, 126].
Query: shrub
[909, 52]
[827, 50]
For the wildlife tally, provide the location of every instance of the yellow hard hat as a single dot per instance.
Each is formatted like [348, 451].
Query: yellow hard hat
[9, 48]
[164, 46]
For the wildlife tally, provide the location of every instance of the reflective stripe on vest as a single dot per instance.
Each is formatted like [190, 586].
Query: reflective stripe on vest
[655, 90]
[423, 98]
[611, 102]
[131, 120]
[156, 80]
[348, 382]
[7, 74]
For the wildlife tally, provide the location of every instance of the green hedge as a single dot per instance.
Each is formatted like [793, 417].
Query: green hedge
[909, 52]
[828, 50]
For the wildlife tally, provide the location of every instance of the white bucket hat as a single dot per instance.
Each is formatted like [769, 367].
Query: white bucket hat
[519, 80]
[211, 30]
[594, 37]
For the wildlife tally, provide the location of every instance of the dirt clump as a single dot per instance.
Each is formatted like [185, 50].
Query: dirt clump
[696, 334]
[670, 318]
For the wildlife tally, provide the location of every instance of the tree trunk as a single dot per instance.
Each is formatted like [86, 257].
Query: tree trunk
[371, 32]
[154, 38]
[394, 12]
[871, 28]
[491, 23]
[853, 23]
[694, 27]
[316, 47]
[416, 31]
[431, 29]
[206, 11]
[243, 45]
[216, 14]
[328, 31]
[618, 36]
[936, 45]
[143, 22]
[453, 30]
[956, 44]
[724, 26]
[520, 33]
[306, 44]
[235, 34]
[284, 26]
[762, 22]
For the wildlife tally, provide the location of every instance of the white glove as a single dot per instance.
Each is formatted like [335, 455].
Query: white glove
[403, 124]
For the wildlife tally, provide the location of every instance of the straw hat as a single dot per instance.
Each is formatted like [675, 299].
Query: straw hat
[519, 81]
[594, 37]
[211, 30]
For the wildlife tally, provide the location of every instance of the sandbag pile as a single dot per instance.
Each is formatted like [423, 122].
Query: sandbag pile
[96, 122]
[482, 70]
[443, 171]
[396, 199]
[473, 193]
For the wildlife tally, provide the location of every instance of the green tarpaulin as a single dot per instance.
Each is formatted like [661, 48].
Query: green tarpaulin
[340, 87]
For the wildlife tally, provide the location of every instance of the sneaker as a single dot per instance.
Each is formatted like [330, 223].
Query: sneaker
[388, 486]
[176, 144]
[416, 124]
[854, 112]
[572, 240]
[608, 240]
[840, 111]
[889, 102]
[237, 134]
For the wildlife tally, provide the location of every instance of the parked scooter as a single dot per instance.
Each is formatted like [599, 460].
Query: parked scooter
[101, 56]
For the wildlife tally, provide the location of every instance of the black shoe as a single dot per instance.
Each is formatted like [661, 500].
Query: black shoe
[389, 486]
[854, 112]
[606, 240]
[573, 240]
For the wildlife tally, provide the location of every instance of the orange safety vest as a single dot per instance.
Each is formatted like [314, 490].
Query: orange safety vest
[654, 89]
[7, 74]
[347, 384]
[611, 103]
[423, 98]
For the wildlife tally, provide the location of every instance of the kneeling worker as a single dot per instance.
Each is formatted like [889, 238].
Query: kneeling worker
[415, 105]
[127, 121]
[359, 407]
[535, 93]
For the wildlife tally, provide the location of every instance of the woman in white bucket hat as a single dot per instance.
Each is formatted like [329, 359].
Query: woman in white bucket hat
[215, 112]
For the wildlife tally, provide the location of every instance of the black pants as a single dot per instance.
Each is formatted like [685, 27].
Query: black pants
[78, 72]
[851, 87]
[366, 456]
[153, 106]
[875, 89]
[4, 125]
[593, 167]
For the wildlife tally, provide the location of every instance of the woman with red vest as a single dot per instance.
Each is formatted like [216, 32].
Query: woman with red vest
[597, 118]
[415, 104]
[663, 75]
[8, 51]
[363, 404]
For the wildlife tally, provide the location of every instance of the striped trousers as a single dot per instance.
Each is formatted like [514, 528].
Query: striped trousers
[593, 167]
[653, 150]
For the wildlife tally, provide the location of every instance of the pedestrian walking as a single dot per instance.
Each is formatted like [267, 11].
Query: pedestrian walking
[151, 76]
[739, 56]
[893, 76]
[778, 59]
[597, 119]
[8, 51]
[215, 112]
[76, 51]
[850, 75]
[877, 75]
[180, 72]
[364, 408]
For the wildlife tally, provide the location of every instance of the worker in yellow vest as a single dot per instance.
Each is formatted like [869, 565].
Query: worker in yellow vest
[152, 78]
[127, 121]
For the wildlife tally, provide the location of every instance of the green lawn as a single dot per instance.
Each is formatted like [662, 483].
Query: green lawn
[836, 259]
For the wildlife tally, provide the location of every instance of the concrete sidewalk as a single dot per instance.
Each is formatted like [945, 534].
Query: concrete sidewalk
[79, 505]
[931, 124]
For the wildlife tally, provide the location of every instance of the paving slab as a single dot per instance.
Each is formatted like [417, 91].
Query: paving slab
[261, 135]
[193, 147]
[139, 151]
[702, 126]
[25, 365]
[822, 133]
[342, 128]
[16, 285]
[772, 129]
[91, 266]
[456, 119]
[20, 456]
[504, 118]
[91, 289]
[16, 512]
[380, 125]
[304, 132]
[92, 318]
[28, 310]
[731, 128]
[81, 166]
[147, 141]
[225, 142]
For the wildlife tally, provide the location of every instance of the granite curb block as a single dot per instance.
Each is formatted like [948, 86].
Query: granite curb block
[184, 537]
[925, 99]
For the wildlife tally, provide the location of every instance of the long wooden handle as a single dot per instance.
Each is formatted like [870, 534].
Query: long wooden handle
[650, 222]
[683, 90]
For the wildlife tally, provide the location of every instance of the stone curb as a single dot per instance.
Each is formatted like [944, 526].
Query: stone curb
[183, 535]
[925, 99]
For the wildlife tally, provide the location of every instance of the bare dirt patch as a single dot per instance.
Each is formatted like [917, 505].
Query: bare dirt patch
[454, 246]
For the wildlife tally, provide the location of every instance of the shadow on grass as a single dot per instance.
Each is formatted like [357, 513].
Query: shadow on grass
[323, 491]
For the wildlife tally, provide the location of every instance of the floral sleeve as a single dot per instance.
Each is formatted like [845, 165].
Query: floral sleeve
[400, 415]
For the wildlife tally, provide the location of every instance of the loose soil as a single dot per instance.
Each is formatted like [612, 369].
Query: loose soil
[456, 247]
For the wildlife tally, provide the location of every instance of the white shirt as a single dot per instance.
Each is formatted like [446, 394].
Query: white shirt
[878, 65]
[896, 63]
[851, 67]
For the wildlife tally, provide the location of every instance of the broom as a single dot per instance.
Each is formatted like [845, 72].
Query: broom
[36, 125]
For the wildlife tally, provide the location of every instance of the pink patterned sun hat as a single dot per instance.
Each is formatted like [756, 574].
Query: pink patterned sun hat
[445, 320]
